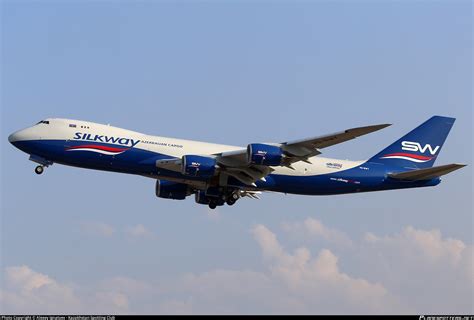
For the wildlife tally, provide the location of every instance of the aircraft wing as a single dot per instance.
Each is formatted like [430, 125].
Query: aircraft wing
[236, 163]
[302, 149]
[427, 173]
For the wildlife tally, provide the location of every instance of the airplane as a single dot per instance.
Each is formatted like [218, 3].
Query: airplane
[222, 174]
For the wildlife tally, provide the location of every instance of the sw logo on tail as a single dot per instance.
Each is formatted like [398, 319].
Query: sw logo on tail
[416, 146]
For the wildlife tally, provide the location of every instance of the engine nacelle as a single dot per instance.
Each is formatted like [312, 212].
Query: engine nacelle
[171, 190]
[198, 166]
[264, 154]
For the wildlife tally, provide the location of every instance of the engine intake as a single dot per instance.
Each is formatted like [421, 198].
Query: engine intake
[264, 154]
[171, 190]
[198, 166]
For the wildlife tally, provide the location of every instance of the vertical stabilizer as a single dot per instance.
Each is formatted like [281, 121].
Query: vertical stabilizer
[418, 148]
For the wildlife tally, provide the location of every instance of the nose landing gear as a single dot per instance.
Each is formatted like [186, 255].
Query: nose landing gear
[43, 163]
[39, 169]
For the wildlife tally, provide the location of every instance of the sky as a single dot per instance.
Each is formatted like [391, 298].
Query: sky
[235, 72]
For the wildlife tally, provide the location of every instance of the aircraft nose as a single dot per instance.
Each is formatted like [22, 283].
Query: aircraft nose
[22, 139]
[17, 136]
[13, 137]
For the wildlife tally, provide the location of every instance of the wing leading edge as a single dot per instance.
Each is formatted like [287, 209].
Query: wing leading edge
[328, 140]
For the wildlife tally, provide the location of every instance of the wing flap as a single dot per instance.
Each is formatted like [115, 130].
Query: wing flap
[250, 174]
[428, 173]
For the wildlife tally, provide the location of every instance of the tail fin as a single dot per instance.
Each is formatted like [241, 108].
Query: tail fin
[420, 147]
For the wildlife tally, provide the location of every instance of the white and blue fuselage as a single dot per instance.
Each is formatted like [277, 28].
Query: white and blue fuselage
[104, 147]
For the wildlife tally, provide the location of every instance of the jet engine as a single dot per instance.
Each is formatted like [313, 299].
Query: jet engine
[171, 190]
[264, 154]
[198, 166]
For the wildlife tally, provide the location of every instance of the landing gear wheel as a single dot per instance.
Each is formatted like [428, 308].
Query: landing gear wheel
[212, 205]
[230, 201]
[39, 169]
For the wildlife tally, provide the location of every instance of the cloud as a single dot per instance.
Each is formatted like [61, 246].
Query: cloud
[110, 300]
[318, 281]
[28, 291]
[313, 228]
[413, 271]
[138, 231]
[106, 230]
[98, 228]
[430, 244]
[429, 272]
[219, 291]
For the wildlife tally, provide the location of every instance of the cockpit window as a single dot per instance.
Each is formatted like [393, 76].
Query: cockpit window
[43, 121]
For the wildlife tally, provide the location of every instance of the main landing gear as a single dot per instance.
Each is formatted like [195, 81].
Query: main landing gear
[212, 204]
[230, 200]
[39, 169]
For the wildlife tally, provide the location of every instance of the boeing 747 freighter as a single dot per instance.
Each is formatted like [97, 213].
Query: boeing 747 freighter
[219, 174]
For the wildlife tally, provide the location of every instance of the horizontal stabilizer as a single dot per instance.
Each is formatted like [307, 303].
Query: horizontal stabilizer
[427, 173]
